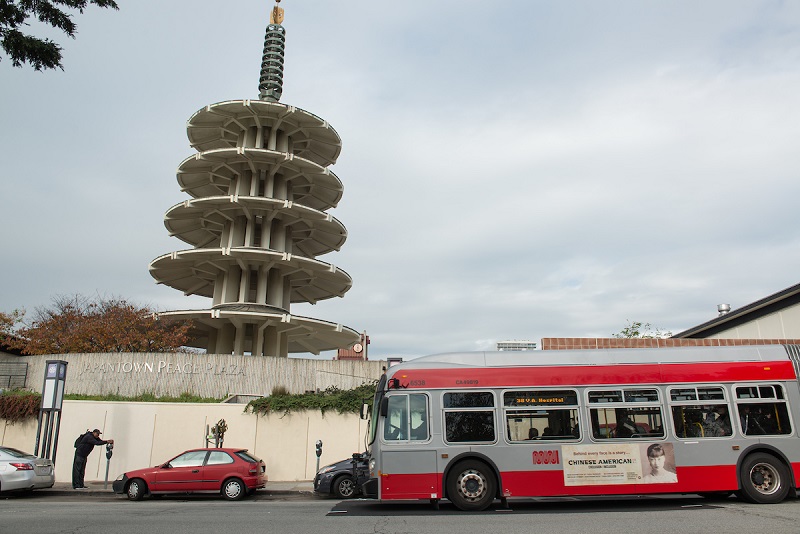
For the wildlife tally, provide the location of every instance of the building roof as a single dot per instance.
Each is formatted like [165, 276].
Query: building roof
[755, 310]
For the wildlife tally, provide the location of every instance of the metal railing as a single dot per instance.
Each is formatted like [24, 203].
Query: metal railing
[13, 375]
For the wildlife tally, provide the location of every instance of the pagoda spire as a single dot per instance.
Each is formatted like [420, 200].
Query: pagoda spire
[270, 84]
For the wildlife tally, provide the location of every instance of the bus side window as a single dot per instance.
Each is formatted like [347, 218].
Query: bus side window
[537, 414]
[419, 417]
[468, 416]
[691, 419]
[763, 418]
[626, 414]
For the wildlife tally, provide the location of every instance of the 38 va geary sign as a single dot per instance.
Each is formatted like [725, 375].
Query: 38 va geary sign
[162, 367]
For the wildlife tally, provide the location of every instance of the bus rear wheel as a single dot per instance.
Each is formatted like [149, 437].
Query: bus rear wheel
[764, 479]
[471, 486]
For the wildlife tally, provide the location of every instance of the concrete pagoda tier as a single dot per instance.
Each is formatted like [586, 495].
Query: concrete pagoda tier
[260, 188]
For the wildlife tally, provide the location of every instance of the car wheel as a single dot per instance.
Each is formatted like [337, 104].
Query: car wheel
[136, 489]
[764, 479]
[471, 486]
[344, 487]
[233, 489]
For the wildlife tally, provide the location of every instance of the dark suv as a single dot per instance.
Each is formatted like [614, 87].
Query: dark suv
[343, 479]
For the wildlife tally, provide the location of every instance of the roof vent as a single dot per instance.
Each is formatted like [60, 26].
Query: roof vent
[723, 309]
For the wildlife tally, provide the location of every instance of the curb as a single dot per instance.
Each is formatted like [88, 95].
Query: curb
[97, 489]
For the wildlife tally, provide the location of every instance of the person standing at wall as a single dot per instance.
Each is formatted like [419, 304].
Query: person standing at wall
[83, 447]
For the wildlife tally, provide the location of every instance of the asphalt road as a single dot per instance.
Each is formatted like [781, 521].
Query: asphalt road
[304, 513]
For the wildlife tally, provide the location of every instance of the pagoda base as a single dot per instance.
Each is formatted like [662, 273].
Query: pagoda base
[265, 332]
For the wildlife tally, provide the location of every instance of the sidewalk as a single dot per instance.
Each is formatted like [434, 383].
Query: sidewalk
[96, 487]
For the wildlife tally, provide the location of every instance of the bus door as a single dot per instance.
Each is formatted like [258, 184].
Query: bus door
[701, 422]
[408, 461]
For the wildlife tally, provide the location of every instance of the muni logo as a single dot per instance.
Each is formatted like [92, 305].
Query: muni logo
[545, 457]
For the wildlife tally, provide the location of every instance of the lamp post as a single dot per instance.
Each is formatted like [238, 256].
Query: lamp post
[55, 375]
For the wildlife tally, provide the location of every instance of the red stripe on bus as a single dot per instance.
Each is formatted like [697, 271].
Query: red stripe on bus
[550, 483]
[574, 375]
[411, 486]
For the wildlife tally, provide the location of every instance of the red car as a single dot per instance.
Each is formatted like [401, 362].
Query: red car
[231, 472]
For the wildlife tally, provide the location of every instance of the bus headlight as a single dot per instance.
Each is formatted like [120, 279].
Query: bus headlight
[372, 467]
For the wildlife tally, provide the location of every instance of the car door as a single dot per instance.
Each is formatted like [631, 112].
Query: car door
[218, 465]
[183, 473]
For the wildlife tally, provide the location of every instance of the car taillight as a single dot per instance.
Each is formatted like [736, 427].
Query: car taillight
[253, 469]
[22, 467]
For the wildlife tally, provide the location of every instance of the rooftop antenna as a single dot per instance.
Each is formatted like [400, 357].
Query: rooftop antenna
[270, 85]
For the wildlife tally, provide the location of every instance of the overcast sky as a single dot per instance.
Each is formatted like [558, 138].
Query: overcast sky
[512, 169]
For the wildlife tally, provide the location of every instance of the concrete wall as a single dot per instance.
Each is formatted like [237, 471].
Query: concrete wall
[206, 375]
[147, 434]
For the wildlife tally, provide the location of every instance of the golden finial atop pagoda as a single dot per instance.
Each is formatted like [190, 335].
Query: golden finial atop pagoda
[276, 16]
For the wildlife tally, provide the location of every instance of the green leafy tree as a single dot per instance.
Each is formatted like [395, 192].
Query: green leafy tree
[637, 329]
[77, 324]
[27, 49]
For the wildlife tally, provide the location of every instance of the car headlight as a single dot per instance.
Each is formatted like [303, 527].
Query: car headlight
[121, 476]
[326, 469]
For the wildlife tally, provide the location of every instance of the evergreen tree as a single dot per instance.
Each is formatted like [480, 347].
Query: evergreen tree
[27, 49]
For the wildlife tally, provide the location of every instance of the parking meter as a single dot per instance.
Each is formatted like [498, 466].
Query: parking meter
[109, 452]
[319, 452]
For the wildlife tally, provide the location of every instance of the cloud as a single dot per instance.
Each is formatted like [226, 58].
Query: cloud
[511, 171]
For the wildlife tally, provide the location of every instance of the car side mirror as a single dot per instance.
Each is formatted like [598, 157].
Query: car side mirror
[166, 466]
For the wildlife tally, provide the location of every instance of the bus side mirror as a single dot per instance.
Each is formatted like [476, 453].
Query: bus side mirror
[365, 411]
[384, 406]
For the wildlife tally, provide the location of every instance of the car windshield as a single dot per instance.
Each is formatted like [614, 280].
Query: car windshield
[15, 452]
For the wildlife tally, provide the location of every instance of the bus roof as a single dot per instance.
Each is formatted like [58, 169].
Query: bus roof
[591, 357]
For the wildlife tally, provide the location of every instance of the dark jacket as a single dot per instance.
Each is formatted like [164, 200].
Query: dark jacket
[87, 444]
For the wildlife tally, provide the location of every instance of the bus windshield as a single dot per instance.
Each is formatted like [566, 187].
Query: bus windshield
[380, 390]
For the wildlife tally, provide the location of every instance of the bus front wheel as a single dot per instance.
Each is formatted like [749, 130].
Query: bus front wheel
[764, 479]
[471, 485]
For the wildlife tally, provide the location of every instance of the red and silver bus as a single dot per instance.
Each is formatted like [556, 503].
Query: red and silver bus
[476, 427]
